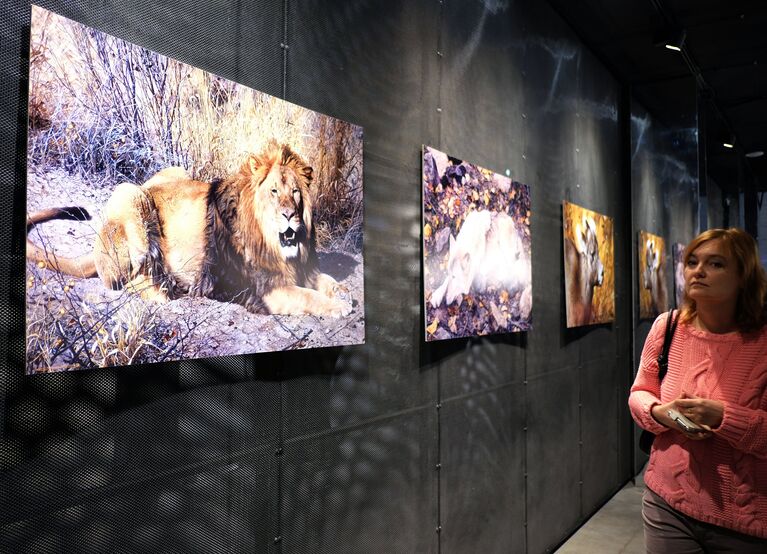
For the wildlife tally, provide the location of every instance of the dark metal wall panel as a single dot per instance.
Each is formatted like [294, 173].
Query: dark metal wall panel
[371, 488]
[480, 93]
[373, 63]
[480, 365]
[600, 431]
[217, 509]
[335, 450]
[482, 482]
[554, 462]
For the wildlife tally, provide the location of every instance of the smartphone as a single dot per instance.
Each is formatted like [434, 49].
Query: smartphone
[684, 423]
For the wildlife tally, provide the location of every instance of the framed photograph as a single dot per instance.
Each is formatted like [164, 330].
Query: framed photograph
[589, 266]
[476, 250]
[174, 214]
[677, 250]
[653, 293]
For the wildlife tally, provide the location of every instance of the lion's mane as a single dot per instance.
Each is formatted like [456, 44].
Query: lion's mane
[242, 262]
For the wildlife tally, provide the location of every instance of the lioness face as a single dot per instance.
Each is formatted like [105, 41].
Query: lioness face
[459, 274]
[282, 192]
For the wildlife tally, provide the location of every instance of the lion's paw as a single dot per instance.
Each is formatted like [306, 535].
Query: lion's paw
[338, 290]
[339, 308]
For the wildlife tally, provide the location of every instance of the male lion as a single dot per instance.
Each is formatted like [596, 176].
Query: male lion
[247, 238]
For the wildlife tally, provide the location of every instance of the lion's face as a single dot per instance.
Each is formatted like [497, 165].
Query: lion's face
[283, 203]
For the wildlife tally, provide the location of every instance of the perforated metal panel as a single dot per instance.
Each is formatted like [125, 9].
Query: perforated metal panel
[390, 446]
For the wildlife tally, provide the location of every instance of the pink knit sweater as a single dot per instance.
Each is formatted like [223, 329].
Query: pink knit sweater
[723, 479]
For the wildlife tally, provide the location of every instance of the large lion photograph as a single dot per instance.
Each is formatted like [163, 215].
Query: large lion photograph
[173, 214]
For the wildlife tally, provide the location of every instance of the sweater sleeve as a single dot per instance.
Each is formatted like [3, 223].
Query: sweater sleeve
[744, 428]
[645, 392]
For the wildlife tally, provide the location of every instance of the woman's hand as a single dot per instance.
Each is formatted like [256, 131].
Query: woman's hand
[703, 411]
[660, 413]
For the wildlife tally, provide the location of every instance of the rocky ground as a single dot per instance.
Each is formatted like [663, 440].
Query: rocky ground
[183, 328]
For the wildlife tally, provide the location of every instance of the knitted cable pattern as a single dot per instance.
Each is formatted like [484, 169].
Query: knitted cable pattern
[721, 480]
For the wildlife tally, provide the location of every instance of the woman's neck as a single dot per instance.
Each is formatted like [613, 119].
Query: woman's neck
[716, 318]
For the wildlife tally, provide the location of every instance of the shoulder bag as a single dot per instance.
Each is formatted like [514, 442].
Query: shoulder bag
[646, 438]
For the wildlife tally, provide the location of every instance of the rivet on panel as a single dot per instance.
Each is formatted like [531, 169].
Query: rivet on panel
[277, 540]
[439, 110]
[439, 528]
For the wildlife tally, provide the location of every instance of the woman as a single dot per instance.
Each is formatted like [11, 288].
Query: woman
[707, 489]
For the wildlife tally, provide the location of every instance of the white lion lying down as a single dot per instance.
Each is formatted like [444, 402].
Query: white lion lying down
[487, 253]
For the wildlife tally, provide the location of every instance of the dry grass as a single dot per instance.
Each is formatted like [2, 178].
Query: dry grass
[66, 330]
[112, 111]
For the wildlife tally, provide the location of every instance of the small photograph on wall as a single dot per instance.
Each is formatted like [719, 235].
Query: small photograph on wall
[174, 214]
[653, 294]
[677, 250]
[476, 250]
[589, 266]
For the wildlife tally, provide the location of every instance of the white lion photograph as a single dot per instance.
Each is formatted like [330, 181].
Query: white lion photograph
[476, 250]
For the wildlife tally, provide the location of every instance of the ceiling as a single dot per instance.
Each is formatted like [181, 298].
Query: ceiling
[724, 56]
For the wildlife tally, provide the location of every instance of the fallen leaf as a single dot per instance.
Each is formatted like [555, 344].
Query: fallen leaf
[433, 327]
[500, 319]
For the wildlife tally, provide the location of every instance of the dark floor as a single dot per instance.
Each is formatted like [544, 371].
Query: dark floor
[615, 529]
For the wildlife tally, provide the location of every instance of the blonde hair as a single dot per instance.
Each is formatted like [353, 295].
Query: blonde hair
[751, 307]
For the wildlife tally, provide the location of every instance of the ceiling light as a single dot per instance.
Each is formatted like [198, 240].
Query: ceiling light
[671, 38]
[755, 154]
[728, 145]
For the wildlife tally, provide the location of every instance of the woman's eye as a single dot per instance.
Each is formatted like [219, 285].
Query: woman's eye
[691, 263]
[274, 191]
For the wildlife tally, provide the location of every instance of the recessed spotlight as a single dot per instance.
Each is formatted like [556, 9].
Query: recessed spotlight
[755, 154]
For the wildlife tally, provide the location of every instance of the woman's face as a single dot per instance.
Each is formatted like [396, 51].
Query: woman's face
[711, 273]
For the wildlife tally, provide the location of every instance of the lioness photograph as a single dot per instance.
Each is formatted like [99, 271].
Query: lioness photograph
[677, 251]
[589, 266]
[476, 250]
[653, 290]
[173, 214]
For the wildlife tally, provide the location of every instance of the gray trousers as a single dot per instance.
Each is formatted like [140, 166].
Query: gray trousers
[667, 531]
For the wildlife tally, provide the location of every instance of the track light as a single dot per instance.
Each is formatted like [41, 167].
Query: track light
[671, 38]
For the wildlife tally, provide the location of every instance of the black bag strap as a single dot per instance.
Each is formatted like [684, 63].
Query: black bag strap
[663, 356]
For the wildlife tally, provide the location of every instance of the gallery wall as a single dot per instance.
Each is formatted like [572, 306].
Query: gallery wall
[499, 444]
[664, 184]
